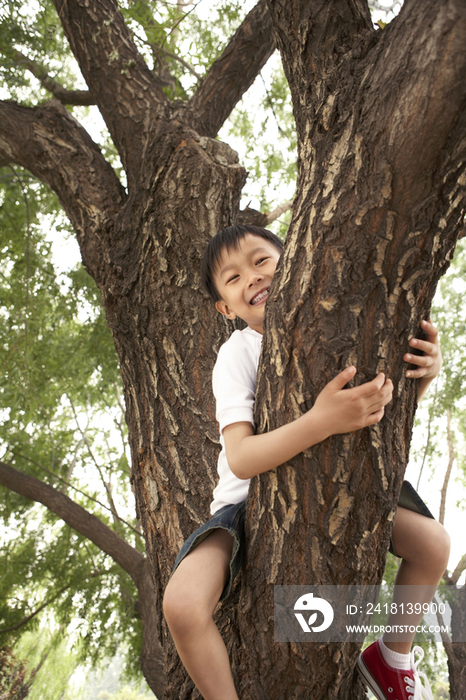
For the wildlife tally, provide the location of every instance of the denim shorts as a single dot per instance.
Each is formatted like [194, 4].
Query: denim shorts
[410, 499]
[230, 518]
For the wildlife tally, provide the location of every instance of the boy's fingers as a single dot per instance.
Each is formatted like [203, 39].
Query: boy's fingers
[419, 360]
[342, 378]
[429, 327]
[432, 335]
[423, 345]
[381, 398]
[376, 417]
[379, 388]
[416, 373]
[372, 387]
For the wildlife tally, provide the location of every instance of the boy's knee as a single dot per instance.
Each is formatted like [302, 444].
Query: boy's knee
[437, 546]
[442, 545]
[182, 609]
[174, 605]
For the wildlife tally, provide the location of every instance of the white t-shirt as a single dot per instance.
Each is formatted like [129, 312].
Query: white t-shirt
[234, 385]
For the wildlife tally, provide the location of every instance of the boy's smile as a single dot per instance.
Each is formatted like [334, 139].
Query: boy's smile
[243, 278]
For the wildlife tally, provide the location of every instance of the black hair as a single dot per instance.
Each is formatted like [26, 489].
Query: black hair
[226, 240]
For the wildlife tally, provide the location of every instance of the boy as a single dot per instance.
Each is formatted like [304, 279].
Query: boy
[237, 271]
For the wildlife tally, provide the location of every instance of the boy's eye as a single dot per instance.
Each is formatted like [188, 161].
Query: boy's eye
[233, 277]
[261, 260]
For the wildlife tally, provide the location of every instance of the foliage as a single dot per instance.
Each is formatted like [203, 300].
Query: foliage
[14, 682]
[110, 681]
[177, 43]
[62, 422]
[445, 402]
[33, 28]
[125, 693]
[54, 664]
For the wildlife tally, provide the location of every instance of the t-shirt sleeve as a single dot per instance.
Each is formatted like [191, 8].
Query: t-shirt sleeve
[234, 381]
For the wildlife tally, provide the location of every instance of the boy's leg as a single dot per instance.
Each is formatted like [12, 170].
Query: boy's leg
[387, 665]
[189, 602]
[424, 547]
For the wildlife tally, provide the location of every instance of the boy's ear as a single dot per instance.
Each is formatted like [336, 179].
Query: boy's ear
[223, 308]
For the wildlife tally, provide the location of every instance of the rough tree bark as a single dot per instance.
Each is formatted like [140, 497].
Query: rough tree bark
[456, 650]
[381, 130]
[380, 203]
[454, 647]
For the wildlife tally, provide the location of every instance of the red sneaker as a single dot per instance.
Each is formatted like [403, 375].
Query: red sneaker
[389, 683]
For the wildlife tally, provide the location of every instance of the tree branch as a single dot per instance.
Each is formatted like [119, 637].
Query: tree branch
[257, 218]
[43, 605]
[132, 561]
[124, 88]
[426, 449]
[67, 97]
[455, 576]
[429, 120]
[181, 60]
[278, 211]
[444, 635]
[451, 459]
[76, 517]
[317, 36]
[106, 485]
[143, 13]
[67, 484]
[233, 73]
[49, 142]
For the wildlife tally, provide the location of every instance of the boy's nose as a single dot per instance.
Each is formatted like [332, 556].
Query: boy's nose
[254, 279]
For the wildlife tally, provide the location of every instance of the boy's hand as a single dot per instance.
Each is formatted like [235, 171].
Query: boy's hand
[340, 410]
[429, 364]
[336, 410]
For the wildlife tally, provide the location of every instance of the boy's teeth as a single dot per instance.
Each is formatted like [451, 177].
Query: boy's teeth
[259, 297]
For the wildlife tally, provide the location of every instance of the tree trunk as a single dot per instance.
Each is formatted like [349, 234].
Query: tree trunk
[454, 644]
[166, 342]
[380, 203]
[456, 654]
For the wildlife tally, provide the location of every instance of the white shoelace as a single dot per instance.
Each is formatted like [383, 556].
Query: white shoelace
[415, 687]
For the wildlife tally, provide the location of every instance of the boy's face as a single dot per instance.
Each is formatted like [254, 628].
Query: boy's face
[243, 278]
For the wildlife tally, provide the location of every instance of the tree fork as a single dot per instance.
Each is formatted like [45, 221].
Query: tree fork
[51, 144]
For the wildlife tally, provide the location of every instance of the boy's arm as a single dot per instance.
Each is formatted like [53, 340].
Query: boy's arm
[336, 410]
[428, 364]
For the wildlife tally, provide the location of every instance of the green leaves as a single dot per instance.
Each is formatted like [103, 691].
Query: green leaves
[262, 130]
[61, 421]
[441, 419]
[32, 46]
